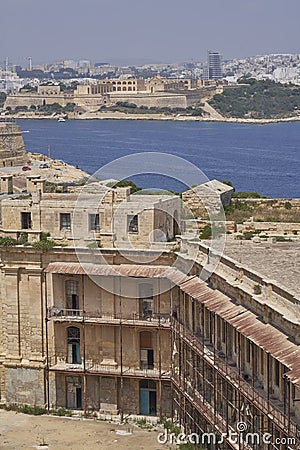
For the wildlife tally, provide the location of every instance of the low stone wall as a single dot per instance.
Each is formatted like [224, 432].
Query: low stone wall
[271, 228]
[269, 202]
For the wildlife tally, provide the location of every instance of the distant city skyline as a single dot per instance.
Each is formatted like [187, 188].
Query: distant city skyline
[133, 33]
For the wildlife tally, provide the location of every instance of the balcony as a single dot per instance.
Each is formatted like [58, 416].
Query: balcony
[96, 368]
[236, 380]
[78, 315]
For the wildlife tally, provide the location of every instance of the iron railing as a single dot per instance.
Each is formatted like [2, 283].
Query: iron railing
[154, 319]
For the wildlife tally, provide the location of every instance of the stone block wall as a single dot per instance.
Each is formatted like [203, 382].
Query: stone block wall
[12, 148]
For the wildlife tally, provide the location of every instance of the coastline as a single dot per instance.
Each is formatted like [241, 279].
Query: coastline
[161, 117]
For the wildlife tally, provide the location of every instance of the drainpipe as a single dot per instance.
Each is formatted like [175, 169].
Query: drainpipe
[47, 346]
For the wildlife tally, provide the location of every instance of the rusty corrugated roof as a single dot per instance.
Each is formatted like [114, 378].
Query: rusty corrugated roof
[126, 270]
[265, 336]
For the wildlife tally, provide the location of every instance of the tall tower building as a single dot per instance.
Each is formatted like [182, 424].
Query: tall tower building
[214, 62]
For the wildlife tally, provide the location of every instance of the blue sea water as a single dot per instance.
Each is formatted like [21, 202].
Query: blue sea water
[262, 158]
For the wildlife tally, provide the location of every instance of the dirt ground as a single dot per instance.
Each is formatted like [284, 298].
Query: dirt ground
[22, 431]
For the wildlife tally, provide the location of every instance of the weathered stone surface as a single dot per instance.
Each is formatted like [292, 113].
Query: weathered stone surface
[12, 148]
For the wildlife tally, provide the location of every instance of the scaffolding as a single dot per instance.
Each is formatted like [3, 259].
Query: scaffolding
[210, 391]
[157, 322]
[219, 393]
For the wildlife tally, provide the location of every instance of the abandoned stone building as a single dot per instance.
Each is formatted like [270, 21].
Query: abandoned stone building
[137, 331]
[106, 216]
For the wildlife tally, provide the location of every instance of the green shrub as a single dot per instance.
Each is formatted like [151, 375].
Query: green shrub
[281, 239]
[206, 232]
[257, 289]
[25, 409]
[288, 205]
[126, 183]
[44, 236]
[247, 195]
[248, 235]
[61, 412]
[229, 183]
[45, 245]
[169, 425]
[8, 242]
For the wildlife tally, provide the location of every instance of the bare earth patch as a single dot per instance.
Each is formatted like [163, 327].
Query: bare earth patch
[21, 431]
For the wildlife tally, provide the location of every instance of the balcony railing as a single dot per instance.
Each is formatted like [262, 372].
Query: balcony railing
[95, 368]
[154, 319]
[236, 380]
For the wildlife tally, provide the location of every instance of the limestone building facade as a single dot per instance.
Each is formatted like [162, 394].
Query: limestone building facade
[103, 216]
[138, 331]
[149, 339]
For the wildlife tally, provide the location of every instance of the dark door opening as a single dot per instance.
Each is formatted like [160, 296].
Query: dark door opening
[150, 359]
[79, 398]
[148, 397]
[152, 403]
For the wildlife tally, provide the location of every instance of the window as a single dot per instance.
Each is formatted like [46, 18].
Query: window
[248, 351]
[65, 221]
[277, 372]
[133, 224]
[94, 222]
[26, 220]
[72, 297]
[146, 300]
[146, 350]
[223, 328]
[262, 361]
[73, 339]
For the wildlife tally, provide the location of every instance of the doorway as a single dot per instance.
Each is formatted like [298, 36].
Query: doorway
[73, 339]
[74, 392]
[146, 350]
[148, 397]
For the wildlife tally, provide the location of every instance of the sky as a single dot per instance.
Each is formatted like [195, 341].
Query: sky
[139, 31]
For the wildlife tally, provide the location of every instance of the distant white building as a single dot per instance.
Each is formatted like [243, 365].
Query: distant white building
[9, 81]
[287, 75]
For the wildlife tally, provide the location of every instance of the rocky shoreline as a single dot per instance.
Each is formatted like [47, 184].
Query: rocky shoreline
[162, 117]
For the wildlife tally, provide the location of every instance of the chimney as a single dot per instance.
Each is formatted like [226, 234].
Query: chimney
[35, 184]
[122, 194]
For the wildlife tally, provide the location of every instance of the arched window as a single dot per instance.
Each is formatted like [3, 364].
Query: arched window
[73, 341]
[146, 350]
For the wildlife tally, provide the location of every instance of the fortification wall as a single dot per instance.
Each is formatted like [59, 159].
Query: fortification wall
[12, 148]
[157, 100]
[29, 99]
